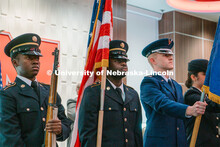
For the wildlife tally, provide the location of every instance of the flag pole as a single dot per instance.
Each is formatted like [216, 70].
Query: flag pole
[197, 123]
[101, 111]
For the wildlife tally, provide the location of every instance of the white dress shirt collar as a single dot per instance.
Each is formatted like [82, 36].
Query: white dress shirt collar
[166, 79]
[121, 86]
[198, 89]
[26, 80]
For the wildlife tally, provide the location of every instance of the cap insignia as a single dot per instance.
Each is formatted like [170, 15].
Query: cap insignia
[34, 38]
[22, 86]
[122, 45]
[169, 41]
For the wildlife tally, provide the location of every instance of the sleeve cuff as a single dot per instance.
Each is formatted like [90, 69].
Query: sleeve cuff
[60, 136]
[188, 116]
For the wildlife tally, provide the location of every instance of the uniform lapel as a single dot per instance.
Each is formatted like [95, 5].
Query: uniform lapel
[175, 84]
[111, 92]
[166, 85]
[43, 94]
[26, 89]
[169, 88]
[128, 95]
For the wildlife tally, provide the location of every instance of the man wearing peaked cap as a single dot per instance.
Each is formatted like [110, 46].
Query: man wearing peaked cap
[23, 106]
[122, 110]
[162, 46]
[162, 99]
[208, 135]
[118, 50]
[26, 44]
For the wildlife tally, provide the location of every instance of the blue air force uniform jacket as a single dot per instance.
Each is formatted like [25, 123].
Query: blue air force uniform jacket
[164, 111]
[122, 120]
[23, 115]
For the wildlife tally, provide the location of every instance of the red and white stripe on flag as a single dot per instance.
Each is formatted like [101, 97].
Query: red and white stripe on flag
[97, 57]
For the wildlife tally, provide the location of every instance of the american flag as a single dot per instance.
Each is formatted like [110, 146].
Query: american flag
[101, 32]
[1, 85]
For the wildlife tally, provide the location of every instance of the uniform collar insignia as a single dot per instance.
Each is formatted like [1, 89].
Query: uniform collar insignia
[22, 86]
[108, 88]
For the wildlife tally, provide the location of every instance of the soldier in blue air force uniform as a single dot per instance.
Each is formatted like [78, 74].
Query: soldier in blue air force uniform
[162, 100]
[122, 109]
[23, 104]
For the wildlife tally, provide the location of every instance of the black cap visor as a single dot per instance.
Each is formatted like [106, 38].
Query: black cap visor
[161, 51]
[120, 57]
[33, 53]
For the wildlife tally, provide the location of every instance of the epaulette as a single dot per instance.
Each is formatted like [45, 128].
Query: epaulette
[9, 85]
[43, 84]
[129, 86]
[95, 84]
[149, 76]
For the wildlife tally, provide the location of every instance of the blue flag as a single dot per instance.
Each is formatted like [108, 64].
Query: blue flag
[212, 80]
[1, 85]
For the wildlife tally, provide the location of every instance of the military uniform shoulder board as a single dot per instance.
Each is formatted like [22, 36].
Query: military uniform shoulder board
[43, 84]
[96, 84]
[129, 86]
[9, 85]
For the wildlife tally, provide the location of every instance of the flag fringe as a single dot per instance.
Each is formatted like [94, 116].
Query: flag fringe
[215, 98]
[103, 63]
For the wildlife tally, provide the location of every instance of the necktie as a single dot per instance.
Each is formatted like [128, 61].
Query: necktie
[118, 90]
[35, 87]
[171, 84]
